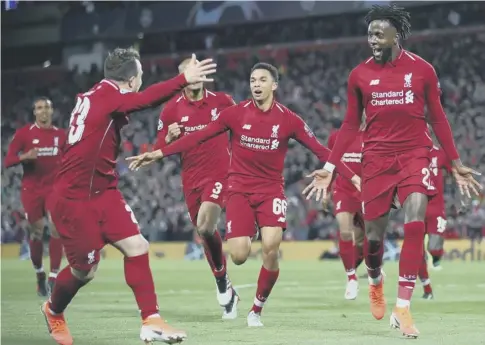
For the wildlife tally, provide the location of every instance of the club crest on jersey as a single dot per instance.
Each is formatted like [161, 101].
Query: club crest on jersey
[184, 119]
[214, 114]
[407, 79]
[275, 131]
[35, 141]
[56, 141]
[160, 125]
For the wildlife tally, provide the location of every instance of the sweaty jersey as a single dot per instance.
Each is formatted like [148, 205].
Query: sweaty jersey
[208, 161]
[39, 172]
[259, 142]
[353, 158]
[439, 162]
[394, 96]
[88, 164]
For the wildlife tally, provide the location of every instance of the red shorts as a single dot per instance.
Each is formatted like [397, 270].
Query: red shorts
[34, 203]
[86, 226]
[214, 192]
[343, 202]
[383, 176]
[246, 211]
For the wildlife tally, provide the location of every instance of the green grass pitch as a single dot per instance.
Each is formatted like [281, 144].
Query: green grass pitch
[306, 306]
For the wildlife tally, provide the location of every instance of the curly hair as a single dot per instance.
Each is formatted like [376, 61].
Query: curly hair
[398, 17]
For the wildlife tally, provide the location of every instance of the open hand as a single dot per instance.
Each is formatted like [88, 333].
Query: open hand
[197, 71]
[137, 162]
[465, 180]
[319, 186]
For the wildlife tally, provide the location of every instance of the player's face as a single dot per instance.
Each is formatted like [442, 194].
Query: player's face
[135, 82]
[381, 36]
[43, 111]
[262, 84]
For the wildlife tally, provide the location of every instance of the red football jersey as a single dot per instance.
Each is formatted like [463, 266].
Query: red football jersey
[259, 142]
[353, 158]
[40, 172]
[439, 161]
[89, 159]
[394, 96]
[208, 161]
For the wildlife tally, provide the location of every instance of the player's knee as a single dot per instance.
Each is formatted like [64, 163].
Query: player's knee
[36, 230]
[239, 258]
[132, 246]
[206, 229]
[84, 276]
[240, 249]
[346, 235]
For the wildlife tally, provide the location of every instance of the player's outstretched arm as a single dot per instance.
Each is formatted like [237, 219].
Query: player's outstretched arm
[304, 135]
[13, 156]
[441, 127]
[192, 140]
[350, 125]
[195, 72]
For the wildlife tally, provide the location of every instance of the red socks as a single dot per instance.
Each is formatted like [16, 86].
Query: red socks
[139, 278]
[65, 289]
[213, 252]
[347, 255]
[410, 261]
[55, 254]
[266, 281]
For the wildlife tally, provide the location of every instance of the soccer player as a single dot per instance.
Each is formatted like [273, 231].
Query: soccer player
[38, 148]
[260, 129]
[347, 208]
[393, 87]
[204, 173]
[435, 219]
[87, 208]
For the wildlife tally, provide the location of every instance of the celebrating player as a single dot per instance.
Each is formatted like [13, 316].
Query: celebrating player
[38, 148]
[260, 129]
[347, 208]
[393, 86]
[204, 172]
[87, 208]
[435, 220]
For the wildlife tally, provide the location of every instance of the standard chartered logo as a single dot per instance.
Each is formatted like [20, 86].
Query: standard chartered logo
[392, 98]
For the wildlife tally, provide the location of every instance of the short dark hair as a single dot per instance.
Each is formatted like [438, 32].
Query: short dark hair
[397, 16]
[120, 64]
[41, 98]
[269, 67]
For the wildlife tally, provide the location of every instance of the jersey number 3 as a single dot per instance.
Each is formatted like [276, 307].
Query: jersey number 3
[78, 117]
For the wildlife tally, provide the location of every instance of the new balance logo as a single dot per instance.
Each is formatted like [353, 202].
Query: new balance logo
[374, 82]
[184, 119]
[247, 127]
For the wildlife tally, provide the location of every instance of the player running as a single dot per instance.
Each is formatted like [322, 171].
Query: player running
[347, 208]
[86, 206]
[260, 129]
[393, 87]
[435, 219]
[38, 148]
[204, 173]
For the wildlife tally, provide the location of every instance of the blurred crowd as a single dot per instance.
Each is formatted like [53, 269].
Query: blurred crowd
[313, 83]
